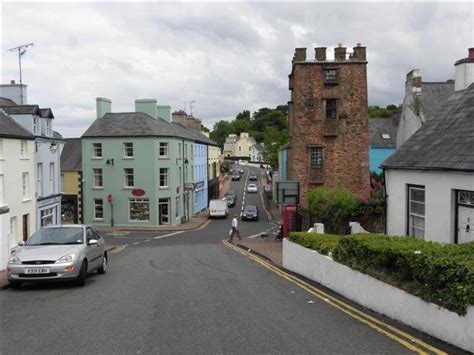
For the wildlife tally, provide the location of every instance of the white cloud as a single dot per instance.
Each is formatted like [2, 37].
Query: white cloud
[227, 57]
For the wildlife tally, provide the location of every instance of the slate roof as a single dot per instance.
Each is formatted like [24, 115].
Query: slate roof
[433, 97]
[10, 129]
[444, 143]
[28, 109]
[138, 124]
[71, 156]
[383, 125]
[57, 135]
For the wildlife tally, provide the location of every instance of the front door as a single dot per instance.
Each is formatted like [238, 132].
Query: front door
[465, 224]
[164, 210]
[25, 227]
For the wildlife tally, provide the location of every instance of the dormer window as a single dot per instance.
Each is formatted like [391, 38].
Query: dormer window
[330, 76]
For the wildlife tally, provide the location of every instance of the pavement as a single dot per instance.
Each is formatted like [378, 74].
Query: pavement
[265, 247]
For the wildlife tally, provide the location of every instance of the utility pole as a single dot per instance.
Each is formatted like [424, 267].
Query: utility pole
[21, 50]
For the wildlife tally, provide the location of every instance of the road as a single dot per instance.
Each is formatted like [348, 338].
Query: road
[184, 293]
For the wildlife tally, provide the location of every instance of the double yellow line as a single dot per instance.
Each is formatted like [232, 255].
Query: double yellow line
[410, 342]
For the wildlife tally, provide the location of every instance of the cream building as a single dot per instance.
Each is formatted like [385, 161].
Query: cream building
[238, 146]
[17, 182]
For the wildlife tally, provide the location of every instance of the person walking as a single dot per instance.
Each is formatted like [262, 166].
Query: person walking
[235, 229]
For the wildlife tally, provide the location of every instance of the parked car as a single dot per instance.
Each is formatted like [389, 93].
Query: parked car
[231, 198]
[235, 176]
[252, 188]
[218, 208]
[58, 253]
[250, 213]
[253, 177]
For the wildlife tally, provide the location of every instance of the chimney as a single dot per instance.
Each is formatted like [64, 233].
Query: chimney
[464, 71]
[103, 106]
[147, 106]
[300, 55]
[15, 92]
[340, 53]
[359, 53]
[413, 82]
[164, 112]
[320, 54]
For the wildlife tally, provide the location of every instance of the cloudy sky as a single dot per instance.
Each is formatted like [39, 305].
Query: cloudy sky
[226, 57]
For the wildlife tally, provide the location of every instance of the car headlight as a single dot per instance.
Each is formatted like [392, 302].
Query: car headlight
[14, 260]
[66, 259]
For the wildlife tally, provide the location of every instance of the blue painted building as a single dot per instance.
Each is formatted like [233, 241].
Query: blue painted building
[200, 177]
[283, 163]
[382, 140]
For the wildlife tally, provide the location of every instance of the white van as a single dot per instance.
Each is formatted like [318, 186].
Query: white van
[218, 208]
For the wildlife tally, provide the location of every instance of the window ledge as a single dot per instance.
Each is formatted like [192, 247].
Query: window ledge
[98, 219]
[97, 158]
[128, 188]
[26, 199]
[128, 158]
[98, 188]
[164, 188]
[165, 158]
[24, 158]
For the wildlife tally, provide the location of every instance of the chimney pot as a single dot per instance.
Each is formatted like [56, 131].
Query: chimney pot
[471, 52]
[340, 53]
[300, 55]
[320, 53]
[103, 106]
[359, 53]
[147, 106]
[12, 82]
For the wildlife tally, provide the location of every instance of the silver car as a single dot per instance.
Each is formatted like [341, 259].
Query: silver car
[60, 253]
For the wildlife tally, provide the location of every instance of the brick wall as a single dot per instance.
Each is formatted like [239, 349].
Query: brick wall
[344, 140]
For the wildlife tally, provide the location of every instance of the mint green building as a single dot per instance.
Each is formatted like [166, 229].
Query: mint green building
[137, 167]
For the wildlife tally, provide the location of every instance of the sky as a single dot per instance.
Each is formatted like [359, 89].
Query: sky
[226, 57]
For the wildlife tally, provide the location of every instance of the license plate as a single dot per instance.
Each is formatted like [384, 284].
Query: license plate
[37, 270]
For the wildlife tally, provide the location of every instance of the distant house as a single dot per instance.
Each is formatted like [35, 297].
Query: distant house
[71, 181]
[382, 140]
[256, 153]
[430, 179]
[238, 146]
[422, 102]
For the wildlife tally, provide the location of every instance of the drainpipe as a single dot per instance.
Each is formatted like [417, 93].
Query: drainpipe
[184, 181]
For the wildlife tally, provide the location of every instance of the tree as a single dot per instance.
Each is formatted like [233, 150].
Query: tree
[274, 139]
[244, 115]
[273, 119]
[241, 125]
[204, 128]
[220, 131]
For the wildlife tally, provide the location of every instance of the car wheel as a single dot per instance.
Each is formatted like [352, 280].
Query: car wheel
[81, 279]
[15, 284]
[103, 267]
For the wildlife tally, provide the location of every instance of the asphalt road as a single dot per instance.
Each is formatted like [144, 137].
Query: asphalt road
[182, 293]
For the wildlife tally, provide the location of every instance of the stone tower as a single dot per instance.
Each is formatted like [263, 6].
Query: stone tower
[328, 119]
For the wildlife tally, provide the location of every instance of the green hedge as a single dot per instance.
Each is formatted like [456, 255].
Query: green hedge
[322, 243]
[442, 274]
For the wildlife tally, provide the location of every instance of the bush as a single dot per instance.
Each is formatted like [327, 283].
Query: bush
[442, 274]
[322, 243]
[436, 273]
[333, 206]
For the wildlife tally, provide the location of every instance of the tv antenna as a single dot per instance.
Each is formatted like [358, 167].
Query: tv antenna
[191, 107]
[21, 50]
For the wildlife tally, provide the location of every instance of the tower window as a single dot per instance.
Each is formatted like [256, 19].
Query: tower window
[330, 76]
[331, 108]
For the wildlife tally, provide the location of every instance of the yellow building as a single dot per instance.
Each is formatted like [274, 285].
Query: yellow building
[71, 185]
[238, 146]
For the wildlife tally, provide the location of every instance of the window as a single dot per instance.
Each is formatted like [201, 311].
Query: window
[25, 185]
[97, 150]
[98, 208]
[52, 181]
[48, 127]
[466, 198]
[39, 180]
[177, 207]
[23, 149]
[35, 126]
[180, 176]
[163, 153]
[164, 177]
[62, 183]
[128, 150]
[179, 150]
[128, 175]
[47, 217]
[331, 108]
[330, 76]
[97, 178]
[316, 156]
[416, 211]
[139, 209]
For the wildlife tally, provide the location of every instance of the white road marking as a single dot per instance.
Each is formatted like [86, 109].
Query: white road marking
[146, 241]
[118, 233]
[136, 243]
[169, 235]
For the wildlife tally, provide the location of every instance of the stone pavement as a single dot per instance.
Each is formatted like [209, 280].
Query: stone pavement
[266, 247]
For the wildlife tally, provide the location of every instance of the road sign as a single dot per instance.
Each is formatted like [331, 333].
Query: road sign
[109, 198]
[287, 192]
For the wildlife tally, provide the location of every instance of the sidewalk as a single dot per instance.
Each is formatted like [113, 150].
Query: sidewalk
[195, 222]
[266, 247]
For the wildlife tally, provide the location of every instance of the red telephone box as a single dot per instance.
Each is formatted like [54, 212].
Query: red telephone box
[289, 219]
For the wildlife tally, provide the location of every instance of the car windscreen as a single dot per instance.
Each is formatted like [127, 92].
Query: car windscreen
[57, 236]
[250, 208]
